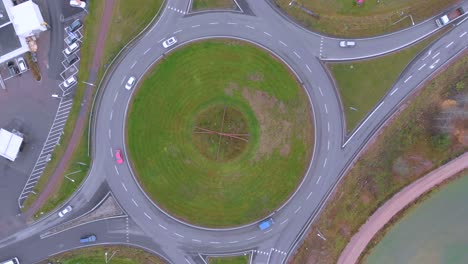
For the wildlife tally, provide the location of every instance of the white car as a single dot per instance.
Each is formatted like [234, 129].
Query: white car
[22, 64]
[65, 211]
[69, 82]
[347, 43]
[78, 3]
[169, 42]
[130, 83]
[72, 48]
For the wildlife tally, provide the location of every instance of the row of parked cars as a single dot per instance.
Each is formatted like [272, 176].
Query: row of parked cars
[17, 67]
[72, 46]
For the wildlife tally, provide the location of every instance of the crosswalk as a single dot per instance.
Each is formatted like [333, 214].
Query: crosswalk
[53, 139]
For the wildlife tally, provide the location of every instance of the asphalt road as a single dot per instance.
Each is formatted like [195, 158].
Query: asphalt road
[300, 49]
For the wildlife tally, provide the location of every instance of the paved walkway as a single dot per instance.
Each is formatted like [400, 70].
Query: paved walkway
[399, 201]
[83, 114]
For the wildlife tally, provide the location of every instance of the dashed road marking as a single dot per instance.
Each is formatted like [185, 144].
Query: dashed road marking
[125, 187]
[161, 40]
[462, 34]
[163, 227]
[215, 242]
[407, 79]
[232, 23]
[116, 170]
[233, 242]
[269, 230]
[318, 180]
[320, 89]
[450, 44]
[266, 33]
[133, 65]
[110, 135]
[308, 196]
[110, 118]
[422, 66]
[179, 235]
[112, 154]
[325, 162]
[115, 97]
[437, 54]
[328, 126]
[282, 43]
[146, 51]
[297, 55]
[194, 26]
[214, 23]
[247, 26]
[326, 109]
[307, 66]
[250, 238]
[297, 210]
[176, 10]
[394, 91]
[196, 240]
[284, 221]
[147, 216]
[178, 31]
[328, 145]
[135, 202]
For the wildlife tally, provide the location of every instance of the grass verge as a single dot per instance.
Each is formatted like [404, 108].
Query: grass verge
[409, 147]
[199, 5]
[345, 18]
[165, 148]
[412, 206]
[363, 83]
[128, 20]
[96, 255]
[229, 260]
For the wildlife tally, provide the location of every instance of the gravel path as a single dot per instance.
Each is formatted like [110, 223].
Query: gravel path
[399, 201]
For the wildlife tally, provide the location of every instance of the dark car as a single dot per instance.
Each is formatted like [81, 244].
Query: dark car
[88, 239]
[71, 59]
[72, 38]
[74, 26]
[13, 68]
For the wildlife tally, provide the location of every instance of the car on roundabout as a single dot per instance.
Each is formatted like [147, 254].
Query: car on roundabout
[88, 239]
[118, 156]
[169, 42]
[130, 82]
[65, 211]
[347, 43]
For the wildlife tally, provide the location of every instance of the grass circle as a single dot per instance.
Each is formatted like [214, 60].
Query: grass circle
[242, 169]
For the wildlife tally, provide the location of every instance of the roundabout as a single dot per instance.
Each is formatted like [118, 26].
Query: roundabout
[219, 133]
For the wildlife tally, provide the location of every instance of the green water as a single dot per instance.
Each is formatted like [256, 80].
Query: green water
[436, 231]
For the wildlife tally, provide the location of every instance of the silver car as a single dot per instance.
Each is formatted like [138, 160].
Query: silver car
[65, 211]
[347, 43]
[169, 42]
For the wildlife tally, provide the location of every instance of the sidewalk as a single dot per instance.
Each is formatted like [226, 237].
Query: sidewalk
[384, 214]
[83, 114]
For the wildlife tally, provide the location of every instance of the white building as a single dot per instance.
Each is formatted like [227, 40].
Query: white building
[10, 144]
[17, 22]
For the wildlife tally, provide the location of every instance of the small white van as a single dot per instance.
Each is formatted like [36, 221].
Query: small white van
[69, 82]
[72, 48]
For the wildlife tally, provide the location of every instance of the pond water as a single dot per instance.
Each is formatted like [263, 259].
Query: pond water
[436, 231]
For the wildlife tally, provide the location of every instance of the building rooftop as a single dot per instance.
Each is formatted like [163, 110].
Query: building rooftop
[9, 41]
[3, 14]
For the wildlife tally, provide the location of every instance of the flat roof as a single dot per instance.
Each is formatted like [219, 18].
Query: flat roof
[9, 41]
[4, 18]
[9, 144]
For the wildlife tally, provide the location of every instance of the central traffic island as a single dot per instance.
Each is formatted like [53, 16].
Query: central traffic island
[219, 133]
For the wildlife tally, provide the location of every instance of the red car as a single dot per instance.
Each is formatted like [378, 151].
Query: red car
[118, 156]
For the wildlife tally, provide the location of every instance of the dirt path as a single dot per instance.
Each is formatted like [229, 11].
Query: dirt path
[410, 193]
[83, 114]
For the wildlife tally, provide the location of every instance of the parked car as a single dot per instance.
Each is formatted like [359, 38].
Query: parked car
[88, 239]
[169, 42]
[77, 3]
[22, 64]
[72, 38]
[118, 156]
[74, 26]
[69, 82]
[71, 59]
[65, 211]
[130, 83]
[72, 48]
[12, 68]
[347, 43]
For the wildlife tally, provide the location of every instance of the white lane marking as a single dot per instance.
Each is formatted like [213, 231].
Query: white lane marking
[297, 210]
[396, 89]
[407, 79]
[233, 242]
[163, 227]
[196, 240]
[249, 27]
[135, 202]
[146, 51]
[328, 145]
[325, 162]
[125, 187]
[232, 23]
[450, 44]
[420, 68]
[328, 125]
[307, 66]
[133, 65]
[115, 98]
[433, 65]
[318, 180]
[179, 235]
[462, 34]
[266, 33]
[123, 80]
[297, 55]
[320, 89]
[178, 31]
[326, 109]
[112, 154]
[161, 40]
[250, 238]
[308, 196]
[437, 54]
[214, 23]
[147, 216]
[284, 44]
[284, 221]
[188, 261]
[194, 26]
[269, 230]
[367, 118]
[215, 242]
[109, 133]
[116, 170]
[111, 115]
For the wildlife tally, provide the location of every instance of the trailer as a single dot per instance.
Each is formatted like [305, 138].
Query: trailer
[449, 17]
